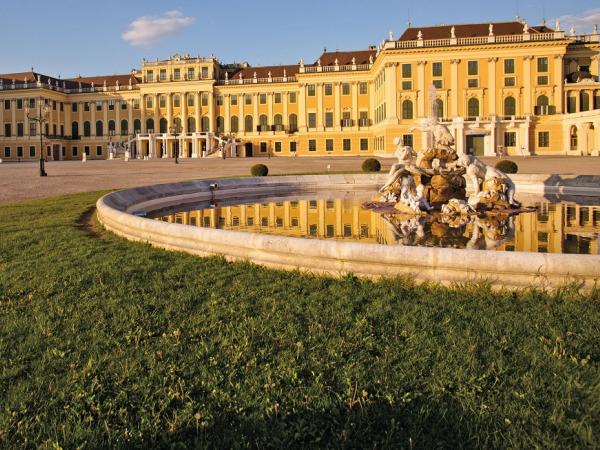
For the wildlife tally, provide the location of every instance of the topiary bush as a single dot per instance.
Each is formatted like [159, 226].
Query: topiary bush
[371, 165]
[259, 170]
[507, 166]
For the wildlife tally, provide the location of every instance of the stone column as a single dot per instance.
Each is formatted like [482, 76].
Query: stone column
[526, 107]
[93, 124]
[582, 138]
[130, 125]
[13, 117]
[391, 93]
[241, 122]
[454, 65]
[105, 118]
[80, 118]
[596, 149]
[254, 111]
[184, 114]
[143, 114]
[354, 92]
[422, 90]
[337, 107]
[559, 84]
[211, 111]
[319, 87]
[285, 108]
[227, 116]
[118, 117]
[302, 108]
[197, 111]
[68, 121]
[156, 114]
[169, 111]
[492, 85]
[270, 107]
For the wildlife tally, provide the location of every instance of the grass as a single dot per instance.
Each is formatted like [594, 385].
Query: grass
[106, 343]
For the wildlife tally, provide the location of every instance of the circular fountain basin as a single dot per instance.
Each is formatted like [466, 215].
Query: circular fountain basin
[128, 213]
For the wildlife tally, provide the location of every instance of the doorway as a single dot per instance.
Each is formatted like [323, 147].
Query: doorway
[248, 148]
[56, 152]
[475, 145]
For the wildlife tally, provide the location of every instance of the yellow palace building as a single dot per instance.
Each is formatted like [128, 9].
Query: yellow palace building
[501, 88]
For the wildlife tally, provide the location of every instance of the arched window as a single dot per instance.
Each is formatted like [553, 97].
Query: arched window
[111, 125]
[248, 124]
[124, 127]
[75, 130]
[235, 126]
[87, 129]
[177, 128]
[473, 108]
[585, 102]
[542, 100]
[438, 108]
[220, 124]
[293, 123]
[407, 109]
[191, 124]
[510, 106]
[278, 122]
[163, 125]
[137, 126]
[263, 122]
[205, 124]
[571, 103]
[573, 138]
[150, 125]
[99, 128]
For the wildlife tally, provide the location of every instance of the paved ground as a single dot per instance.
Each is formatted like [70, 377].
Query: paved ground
[19, 181]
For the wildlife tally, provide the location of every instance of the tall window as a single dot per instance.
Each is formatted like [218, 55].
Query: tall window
[407, 109]
[248, 99]
[278, 122]
[263, 122]
[176, 101]
[312, 120]
[190, 99]
[363, 88]
[163, 125]
[406, 70]
[473, 108]
[205, 124]
[510, 106]
[436, 69]
[544, 139]
[235, 126]
[573, 137]
[310, 90]
[438, 108]
[329, 119]
[162, 101]
[510, 139]
[111, 126]
[293, 123]
[585, 102]
[234, 100]
[345, 88]
[220, 124]
[542, 65]
[137, 126]
[472, 68]
[292, 97]
[150, 125]
[248, 123]
[124, 127]
[99, 128]
[509, 66]
[328, 87]
[191, 124]
[75, 130]
[262, 99]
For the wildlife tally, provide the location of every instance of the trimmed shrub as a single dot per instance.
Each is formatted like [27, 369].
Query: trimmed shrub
[507, 166]
[371, 165]
[259, 170]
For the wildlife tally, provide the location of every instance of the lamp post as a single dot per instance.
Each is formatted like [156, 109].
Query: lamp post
[175, 131]
[111, 153]
[41, 118]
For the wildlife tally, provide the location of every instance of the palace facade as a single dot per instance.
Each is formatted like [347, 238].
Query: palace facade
[500, 88]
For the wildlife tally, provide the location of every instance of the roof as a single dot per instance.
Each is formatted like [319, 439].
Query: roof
[69, 83]
[470, 30]
[345, 58]
[263, 71]
[111, 80]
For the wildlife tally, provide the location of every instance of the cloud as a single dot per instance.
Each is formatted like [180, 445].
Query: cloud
[146, 30]
[583, 23]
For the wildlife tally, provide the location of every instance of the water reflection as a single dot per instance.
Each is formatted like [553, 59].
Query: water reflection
[553, 227]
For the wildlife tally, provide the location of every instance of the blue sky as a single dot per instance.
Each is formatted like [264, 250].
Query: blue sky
[67, 37]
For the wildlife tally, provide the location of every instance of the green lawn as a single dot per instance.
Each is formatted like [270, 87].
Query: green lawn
[108, 343]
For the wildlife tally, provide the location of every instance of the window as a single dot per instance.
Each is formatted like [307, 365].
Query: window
[234, 100]
[176, 74]
[190, 73]
[20, 130]
[205, 124]
[329, 231]
[277, 97]
[329, 145]
[407, 85]
[98, 106]
[190, 99]
[542, 80]
[150, 125]
[191, 124]
[473, 108]
[98, 150]
[347, 145]
[234, 124]
[473, 82]
[248, 124]
[124, 127]
[73, 107]
[149, 102]
[438, 84]
[438, 108]
[312, 145]
[278, 147]
[262, 99]
[204, 99]
[20, 103]
[74, 151]
[176, 101]
[573, 138]
[436, 69]
[544, 139]
[32, 152]
[407, 109]
[123, 105]
[292, 97]
[329, 119]
[7, 152]
[509, 66]
[509, 81]
[6, 104]
[542, 65]
[293, 147]
[205, 72]
[310, 90]
[163, 125]
[150, 76]
[87, 129]
[328, 87]
[345, 88]
[278, 122]
[406, 70]
[87, 150]
[53, 104]
[510, 139]
[220, 124]
[312, 229]
[472, 68]
[162, 101]
[163, 74]
[263, 123]
[364, 144]
[99, 128]
[250, 221]
[263, 147]
[363, 88]
[293, 123]
[585, 102]
[111, 105]
[86, 106]
[347, 230]
[510, 106]
[19, 152]
[32, 128]
[312, 120]
[248, 99]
